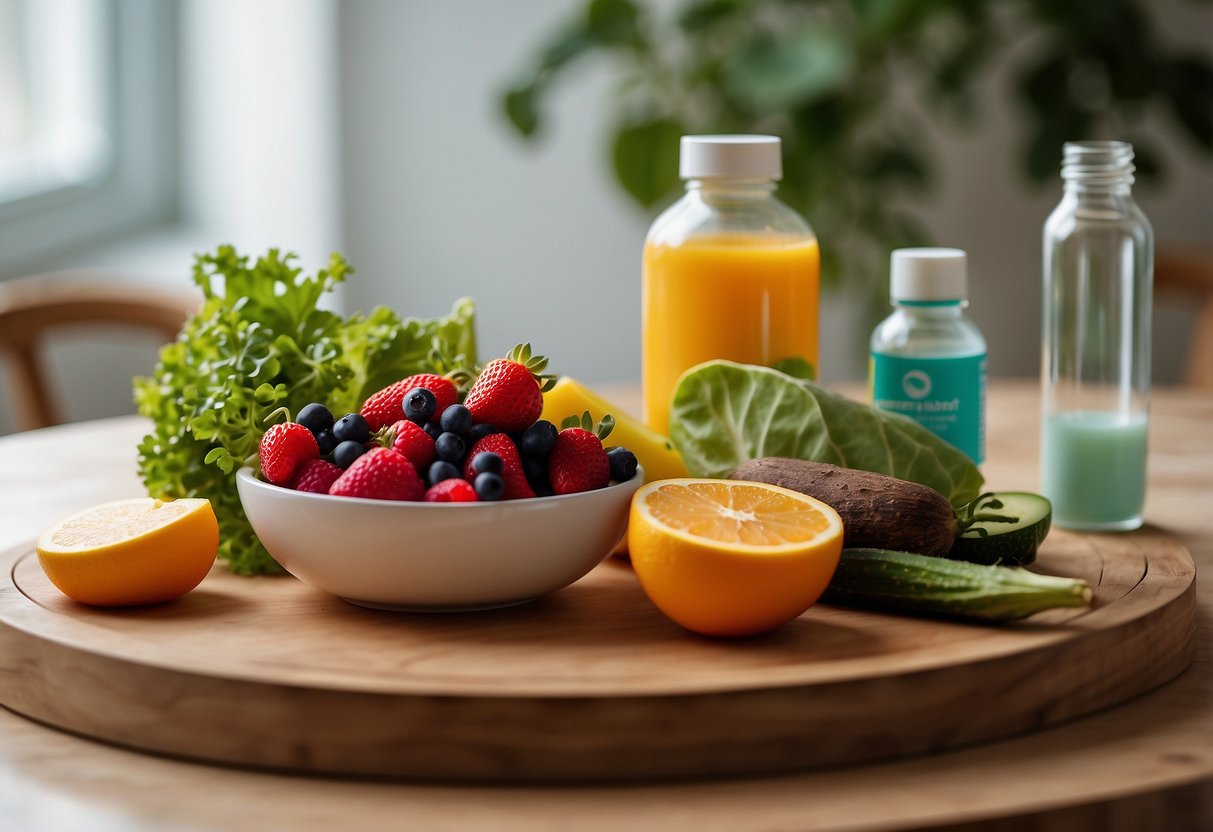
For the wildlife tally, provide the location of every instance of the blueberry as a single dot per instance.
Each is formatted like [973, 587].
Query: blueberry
[536, 471]
[486, 461]
[456, 419]
[538, 440]
[433, 430]
[442, 470]
[450, 447]
[419, 405]
[326, 441]
[489, 486]
[315, 417]
[480, 431]
[623, 464]
[345, 453]
[352, 428]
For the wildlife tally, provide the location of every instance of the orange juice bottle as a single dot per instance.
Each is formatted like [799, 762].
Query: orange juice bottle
[729, 270]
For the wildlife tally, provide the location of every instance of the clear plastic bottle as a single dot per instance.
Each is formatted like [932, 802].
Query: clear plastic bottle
[928, 361]
[729, 270]
[1098, 277]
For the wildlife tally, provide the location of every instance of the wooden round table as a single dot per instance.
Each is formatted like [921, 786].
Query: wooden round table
[1147, 764]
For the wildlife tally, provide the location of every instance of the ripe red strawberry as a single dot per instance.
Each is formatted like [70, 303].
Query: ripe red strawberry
[516, 485]
[315, 476]
[579, 462]
[284, 447]
[508, 393]
[452, 491]
[412, 442]
[380, 474]
[386, 406]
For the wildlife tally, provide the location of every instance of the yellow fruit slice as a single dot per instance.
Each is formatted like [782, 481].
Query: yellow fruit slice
[654, 452]
[727, 558]
[139, 551]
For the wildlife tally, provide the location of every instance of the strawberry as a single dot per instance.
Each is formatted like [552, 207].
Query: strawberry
[512, 474]
[284, 447]
[452, 491]
[386, 406]
[579, 462]
[508, 393]
[316, 476]
[412, 442]
[380, 474]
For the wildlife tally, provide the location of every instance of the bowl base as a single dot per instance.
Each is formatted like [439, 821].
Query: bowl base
[375, 605]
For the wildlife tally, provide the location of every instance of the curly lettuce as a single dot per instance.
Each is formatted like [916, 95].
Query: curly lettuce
[259, 342]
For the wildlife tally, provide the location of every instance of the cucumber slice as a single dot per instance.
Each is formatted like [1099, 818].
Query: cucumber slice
[1003, 527]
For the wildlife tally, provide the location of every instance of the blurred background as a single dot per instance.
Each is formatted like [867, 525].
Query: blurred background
[517, 152]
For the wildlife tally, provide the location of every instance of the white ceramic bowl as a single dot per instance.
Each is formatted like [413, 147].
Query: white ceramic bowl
[436, 556]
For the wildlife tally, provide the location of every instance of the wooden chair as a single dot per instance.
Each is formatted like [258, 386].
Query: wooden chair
[1190, 273]
[33, 309]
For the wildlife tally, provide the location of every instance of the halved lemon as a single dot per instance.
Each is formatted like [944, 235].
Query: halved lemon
[729, 558]
[129, 552]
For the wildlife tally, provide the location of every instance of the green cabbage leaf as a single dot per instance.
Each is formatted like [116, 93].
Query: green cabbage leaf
[724, 414]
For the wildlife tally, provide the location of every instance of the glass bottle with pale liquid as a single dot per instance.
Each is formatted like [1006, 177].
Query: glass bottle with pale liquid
[1098, 277]
[729, 270]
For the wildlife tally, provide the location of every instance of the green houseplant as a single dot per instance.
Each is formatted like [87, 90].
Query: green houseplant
[836, 78]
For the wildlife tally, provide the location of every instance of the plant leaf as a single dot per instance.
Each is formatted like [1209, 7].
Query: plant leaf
[724, 414]
[614, 22]
[1190, 87]
[646, 159]
[705, 14]
[521, 110]
[774, 74]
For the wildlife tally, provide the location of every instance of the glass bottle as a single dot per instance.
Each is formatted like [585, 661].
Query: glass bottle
[729, 270]
[928, 361]
[1098, 276]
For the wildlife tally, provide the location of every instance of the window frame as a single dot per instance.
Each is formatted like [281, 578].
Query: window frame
[139, 187]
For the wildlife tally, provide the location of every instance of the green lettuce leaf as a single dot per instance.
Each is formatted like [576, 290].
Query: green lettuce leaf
[725, 414]
[260, 342]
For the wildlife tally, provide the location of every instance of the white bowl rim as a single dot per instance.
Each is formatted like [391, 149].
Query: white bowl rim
[246, 473]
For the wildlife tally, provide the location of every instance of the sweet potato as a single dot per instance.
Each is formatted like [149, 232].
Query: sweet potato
[878, 511]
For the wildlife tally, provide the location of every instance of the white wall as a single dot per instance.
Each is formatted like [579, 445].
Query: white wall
[259, 132]
[442, 200]
[373, 127]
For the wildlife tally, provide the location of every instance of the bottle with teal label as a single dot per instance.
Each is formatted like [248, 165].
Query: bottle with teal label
[928, 360]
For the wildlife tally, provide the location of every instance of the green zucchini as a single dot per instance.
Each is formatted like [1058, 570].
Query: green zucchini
[901, 581]
[1003, 527]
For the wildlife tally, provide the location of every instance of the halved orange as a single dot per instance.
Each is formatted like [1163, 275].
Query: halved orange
[129, 552]
[729, 558]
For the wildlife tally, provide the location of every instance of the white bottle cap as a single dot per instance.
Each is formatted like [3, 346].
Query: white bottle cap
[928, 274]
[740, 157]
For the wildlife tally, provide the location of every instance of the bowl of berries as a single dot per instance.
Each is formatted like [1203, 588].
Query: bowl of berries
[426, 500]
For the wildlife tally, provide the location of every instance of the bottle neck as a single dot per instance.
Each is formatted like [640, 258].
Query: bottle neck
[722, 189]
[936, 310]
[1097, 170]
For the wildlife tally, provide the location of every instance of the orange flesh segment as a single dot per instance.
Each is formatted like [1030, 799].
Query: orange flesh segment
[115, 524]
[736, 513]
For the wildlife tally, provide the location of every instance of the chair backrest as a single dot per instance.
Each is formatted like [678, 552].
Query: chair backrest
[1190, 273]
[33, 309]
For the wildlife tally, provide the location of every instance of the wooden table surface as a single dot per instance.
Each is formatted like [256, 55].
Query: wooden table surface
[1141, 766]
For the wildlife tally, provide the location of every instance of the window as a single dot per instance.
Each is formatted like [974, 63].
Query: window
[86, 123]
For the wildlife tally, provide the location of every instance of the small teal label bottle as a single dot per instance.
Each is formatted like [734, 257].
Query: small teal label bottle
[928, 360]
